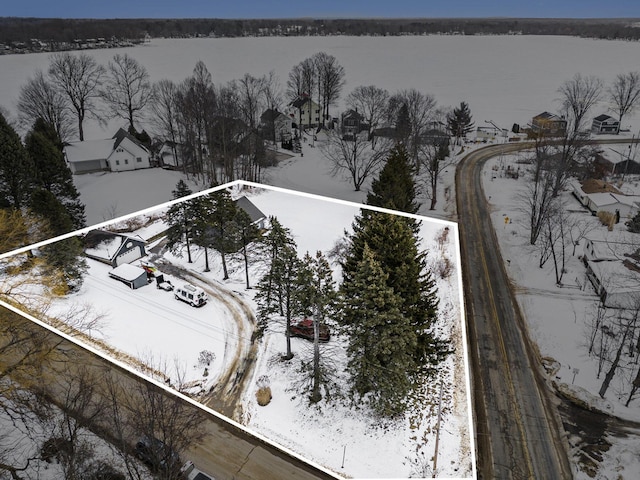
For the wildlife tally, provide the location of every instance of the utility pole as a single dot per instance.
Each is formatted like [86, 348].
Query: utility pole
[435, 455]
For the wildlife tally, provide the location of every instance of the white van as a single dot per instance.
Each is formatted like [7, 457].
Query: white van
[194, 296]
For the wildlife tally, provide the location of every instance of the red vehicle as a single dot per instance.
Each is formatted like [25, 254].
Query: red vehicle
[304, 329]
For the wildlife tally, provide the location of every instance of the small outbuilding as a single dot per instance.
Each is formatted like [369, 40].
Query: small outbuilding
[605, 124]
[258, 218]
[132, 276]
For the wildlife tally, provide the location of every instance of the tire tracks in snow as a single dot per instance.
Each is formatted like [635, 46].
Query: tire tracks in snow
[226, 396]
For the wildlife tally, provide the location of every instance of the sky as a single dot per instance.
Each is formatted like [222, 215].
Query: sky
[324, 9]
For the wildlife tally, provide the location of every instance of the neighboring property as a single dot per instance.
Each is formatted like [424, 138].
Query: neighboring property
[613, 267]
[114, 249]
[305, 112]
[548, 125]
[258, 218]
[617, 282]
[119, 153]
[132, 276]
[352, 123]
[169, 155]
[276, 125]
[598, 195]
[605, 124]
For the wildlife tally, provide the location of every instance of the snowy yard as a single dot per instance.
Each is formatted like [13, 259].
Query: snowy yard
[150, 325]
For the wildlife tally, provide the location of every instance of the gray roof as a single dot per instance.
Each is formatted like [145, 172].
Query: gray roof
[254, 212]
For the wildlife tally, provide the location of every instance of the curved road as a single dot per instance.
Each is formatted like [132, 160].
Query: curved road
[517, 431]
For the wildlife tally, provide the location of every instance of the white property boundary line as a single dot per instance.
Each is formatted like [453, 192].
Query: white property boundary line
[243, 183]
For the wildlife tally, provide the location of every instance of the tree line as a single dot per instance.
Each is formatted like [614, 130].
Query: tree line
[38, 200]
[67, 30]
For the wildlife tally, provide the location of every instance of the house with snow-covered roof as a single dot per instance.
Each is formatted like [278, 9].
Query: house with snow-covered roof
[112, 248]
[119, 153]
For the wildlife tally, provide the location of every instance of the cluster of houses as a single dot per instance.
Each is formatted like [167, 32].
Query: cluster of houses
[551, 125]
[36, 45]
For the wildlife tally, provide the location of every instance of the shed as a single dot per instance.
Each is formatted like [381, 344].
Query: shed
[132, 276]
[113, 248]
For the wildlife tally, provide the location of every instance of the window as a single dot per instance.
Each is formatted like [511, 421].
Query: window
[139, 159]
[117, 162]
[126, 161]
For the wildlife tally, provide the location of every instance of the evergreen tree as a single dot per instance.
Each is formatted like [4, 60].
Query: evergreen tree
[224, 235]
[202, 210]
[395, 187]
[315, 297]
[63, 256]
[381, 338]
[633, 225]
[459, 121]
[180, 218]
[15, 170]
[248, 233]
[51, 172]
[403, 124]
[394, 246]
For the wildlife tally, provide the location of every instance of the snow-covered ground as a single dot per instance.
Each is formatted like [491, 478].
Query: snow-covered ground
[559, 316]
[504, 79]
[149, 325]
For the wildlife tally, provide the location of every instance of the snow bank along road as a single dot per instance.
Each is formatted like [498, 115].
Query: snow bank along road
[229, 452]
[517, 431]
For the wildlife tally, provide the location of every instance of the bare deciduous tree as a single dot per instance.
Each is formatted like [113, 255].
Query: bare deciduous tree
[302, 80]
[420, 109]
[127, 89]
[39, 99]
[78, 78]
[355, 158]
[371, 102]
[330, 81]
[434, 157]
[624, 93]
[578, 96]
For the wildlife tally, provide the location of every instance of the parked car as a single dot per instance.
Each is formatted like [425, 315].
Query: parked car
[304, 329]
[194, 296]
[156, 454]
[190, 472]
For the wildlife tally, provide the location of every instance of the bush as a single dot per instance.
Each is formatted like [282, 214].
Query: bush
[263, 396]
[104, 471]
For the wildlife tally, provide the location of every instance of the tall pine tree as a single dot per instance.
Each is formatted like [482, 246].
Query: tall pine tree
[459, 121]
[395, 247]
[64, 256]
[15, 169]
[180, 218]
[395, 186]
[381, 338]
[51, 172]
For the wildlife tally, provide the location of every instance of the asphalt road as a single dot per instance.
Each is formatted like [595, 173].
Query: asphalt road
[518, 432]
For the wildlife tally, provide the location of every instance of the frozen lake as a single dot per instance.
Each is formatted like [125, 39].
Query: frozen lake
[505, 79]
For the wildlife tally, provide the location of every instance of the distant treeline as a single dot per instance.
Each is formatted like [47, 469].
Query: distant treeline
[67, 30]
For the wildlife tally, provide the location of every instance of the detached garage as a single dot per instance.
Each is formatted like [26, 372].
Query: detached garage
[113, 248]
[132, 276]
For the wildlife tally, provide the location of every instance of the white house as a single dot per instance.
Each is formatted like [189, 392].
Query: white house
[605, 124]
[625, 205]
[305, 112]
[119, 153]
